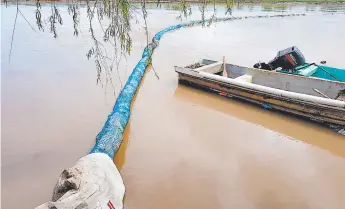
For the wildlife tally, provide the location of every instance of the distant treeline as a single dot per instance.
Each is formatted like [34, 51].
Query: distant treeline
[202, 1]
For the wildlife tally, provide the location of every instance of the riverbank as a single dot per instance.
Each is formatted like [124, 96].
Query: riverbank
[255, 2]
[236, 2]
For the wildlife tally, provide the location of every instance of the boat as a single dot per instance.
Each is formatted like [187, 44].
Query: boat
[295, 92]
[317, 71]
[292, 61]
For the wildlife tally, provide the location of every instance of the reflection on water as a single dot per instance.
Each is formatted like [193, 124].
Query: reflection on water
[251, 8]
[340, 8]
[310, 8]
[183, 148]
[283, 123]
[332, 8]
[329, 8]
[120, 157]
[275, 8]
[240, 7]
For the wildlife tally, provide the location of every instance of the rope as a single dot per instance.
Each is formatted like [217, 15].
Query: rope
[326, 72]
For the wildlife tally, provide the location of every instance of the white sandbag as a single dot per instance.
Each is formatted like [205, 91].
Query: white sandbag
[93, 183]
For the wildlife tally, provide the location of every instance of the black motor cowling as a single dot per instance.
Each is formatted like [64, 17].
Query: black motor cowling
[288, 58]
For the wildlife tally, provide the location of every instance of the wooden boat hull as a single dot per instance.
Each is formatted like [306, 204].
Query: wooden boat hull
[311, 110]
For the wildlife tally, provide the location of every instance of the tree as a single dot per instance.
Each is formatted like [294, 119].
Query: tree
[118, 14]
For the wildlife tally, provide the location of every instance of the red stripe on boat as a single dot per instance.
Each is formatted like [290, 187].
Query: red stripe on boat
[290, 60]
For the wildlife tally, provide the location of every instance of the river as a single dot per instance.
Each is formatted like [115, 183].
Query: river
[183, 148]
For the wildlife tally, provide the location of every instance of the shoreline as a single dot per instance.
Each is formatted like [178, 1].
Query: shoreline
[266, 2]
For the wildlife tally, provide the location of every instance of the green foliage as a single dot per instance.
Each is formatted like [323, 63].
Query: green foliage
[119, 14]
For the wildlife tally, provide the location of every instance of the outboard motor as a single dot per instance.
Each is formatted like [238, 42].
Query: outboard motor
[289, 58]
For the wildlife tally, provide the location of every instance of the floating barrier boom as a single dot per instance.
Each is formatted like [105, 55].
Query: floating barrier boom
[110, 137]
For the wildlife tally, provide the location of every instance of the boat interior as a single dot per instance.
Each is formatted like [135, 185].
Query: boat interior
[289, 82]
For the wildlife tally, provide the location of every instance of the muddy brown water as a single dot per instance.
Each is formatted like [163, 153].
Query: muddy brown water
[183, 148]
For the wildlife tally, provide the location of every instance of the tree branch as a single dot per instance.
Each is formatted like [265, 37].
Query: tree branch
[26, 20]
[13, 31]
